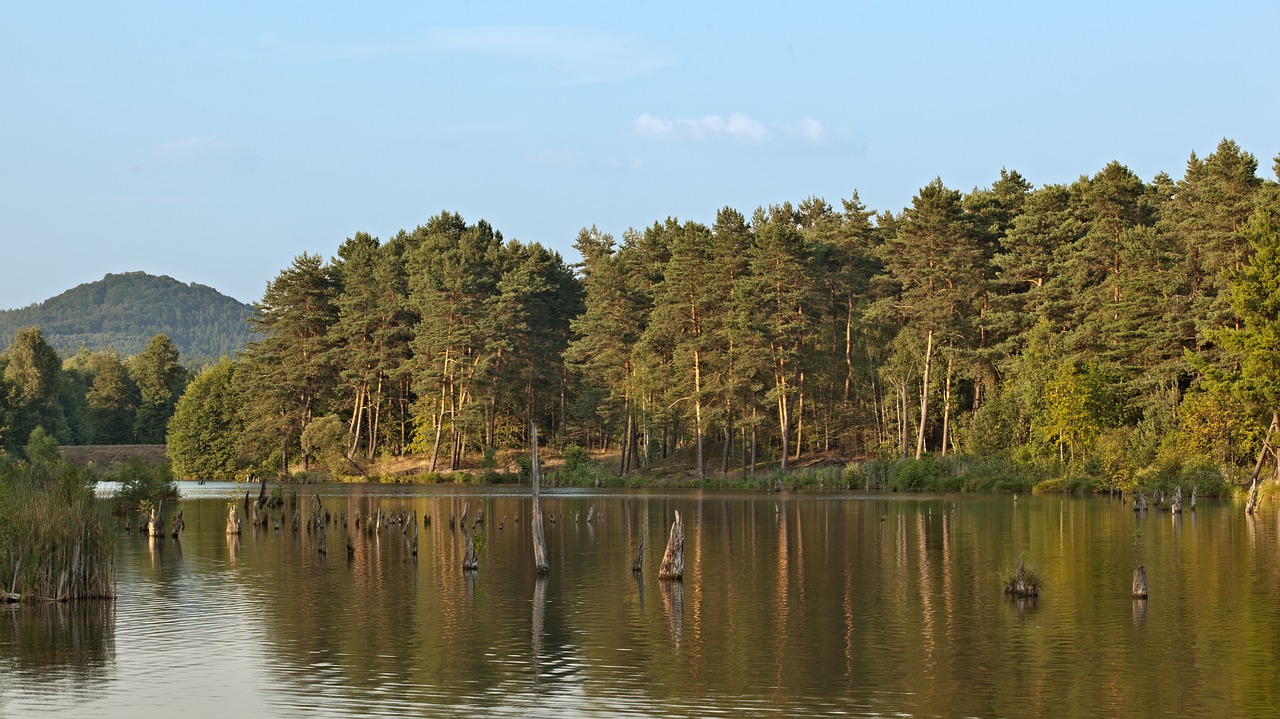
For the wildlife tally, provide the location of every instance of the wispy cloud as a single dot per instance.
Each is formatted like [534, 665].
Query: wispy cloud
[576, 55]
[738, 127]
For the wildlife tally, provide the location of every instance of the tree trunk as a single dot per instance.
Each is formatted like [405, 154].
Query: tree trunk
[1254, 482]
[539, 541]
[924, 396]
[946, 409]
[697, 416]
[673, 559]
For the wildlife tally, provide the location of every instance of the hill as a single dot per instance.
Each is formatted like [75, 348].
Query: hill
[124, 311]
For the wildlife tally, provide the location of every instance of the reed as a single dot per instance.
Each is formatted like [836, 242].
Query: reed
[56, 538]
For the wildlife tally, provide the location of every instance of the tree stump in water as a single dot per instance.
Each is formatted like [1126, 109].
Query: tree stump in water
[1193, 498]
[673, 560]
[233, 522]
[540, 562]
[1022, 583]
[639, 554]
[155, 524]
[591, 513]
[1140, 582]
[178, 524]
[1175, 504]
[469, 560]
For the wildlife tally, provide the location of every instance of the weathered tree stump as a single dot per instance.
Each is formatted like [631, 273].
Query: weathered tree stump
[639, 554]
[591, 514]
[470, 561]
[673, 560]
[1175, 504]
[179, 524]
[351, 548]
[1193, 498]
[233, 522]
[1022, 583]
[540, 563]
[466, 507]
[1140, 582]
[155, 524]
[322, 544]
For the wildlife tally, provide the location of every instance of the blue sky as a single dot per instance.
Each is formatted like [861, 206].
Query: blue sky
[213, 144]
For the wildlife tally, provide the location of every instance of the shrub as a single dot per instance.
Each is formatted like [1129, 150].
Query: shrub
[142, 481]
[916, 474]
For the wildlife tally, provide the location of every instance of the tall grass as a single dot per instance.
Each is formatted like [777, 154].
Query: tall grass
[56, 539]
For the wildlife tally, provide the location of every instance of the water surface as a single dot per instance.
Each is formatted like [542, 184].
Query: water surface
[792, 605]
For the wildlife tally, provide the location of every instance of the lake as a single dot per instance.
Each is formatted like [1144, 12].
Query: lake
[792, 605]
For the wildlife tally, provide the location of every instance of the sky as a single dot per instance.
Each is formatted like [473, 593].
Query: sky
[215, 143]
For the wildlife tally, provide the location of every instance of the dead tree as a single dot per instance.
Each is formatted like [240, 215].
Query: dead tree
[539, 541]
[1140, 582]
[470, 562]
[233, 522]
[1266, 450]
[639, 554]
[673, 559]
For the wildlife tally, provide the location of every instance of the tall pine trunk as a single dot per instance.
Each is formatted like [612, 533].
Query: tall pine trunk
[924, 396]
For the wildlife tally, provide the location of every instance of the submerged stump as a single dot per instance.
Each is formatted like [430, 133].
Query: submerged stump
[540, 562]
[673, 560]
[470, 561]
[1022, 583]
[1140, 582]
[233, 522]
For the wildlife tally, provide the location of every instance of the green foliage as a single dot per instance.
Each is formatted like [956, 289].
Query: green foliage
[206, 431]
[325, 439]
[141, 481]
[919, 474]
[125, 311]
[55, 534]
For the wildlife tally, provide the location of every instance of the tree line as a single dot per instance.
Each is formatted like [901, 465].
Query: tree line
[89, 398]
[1105, 326]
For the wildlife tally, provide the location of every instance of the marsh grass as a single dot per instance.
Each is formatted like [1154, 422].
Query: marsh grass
[1020, 580]
[56, 536]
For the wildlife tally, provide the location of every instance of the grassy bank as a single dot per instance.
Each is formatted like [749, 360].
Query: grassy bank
[574, 467]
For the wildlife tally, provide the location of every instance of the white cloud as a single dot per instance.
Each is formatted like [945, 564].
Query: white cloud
[737, 126]
[577, 55]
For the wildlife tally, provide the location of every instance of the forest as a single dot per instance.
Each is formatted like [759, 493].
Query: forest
[124, 311]
[1106, 333]
[88, 398]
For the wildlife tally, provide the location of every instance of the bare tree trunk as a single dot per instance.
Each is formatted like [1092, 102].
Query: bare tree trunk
[946, 409]
[539, 541]
[1254, 482]
[673, 559]
[924, 396]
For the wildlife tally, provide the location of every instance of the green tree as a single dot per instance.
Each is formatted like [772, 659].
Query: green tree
[33, 373]
[288, 374]
[111, 399]
[207, 429]
[160, 379]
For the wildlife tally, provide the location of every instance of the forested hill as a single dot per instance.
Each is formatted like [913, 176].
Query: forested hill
[125, 311]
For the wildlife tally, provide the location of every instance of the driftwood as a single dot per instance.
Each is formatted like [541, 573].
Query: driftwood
[673, 560]
[1140, 582]
[233, 522]
[539, 541]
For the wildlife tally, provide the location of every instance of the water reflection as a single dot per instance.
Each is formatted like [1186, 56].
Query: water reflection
[799, 605]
